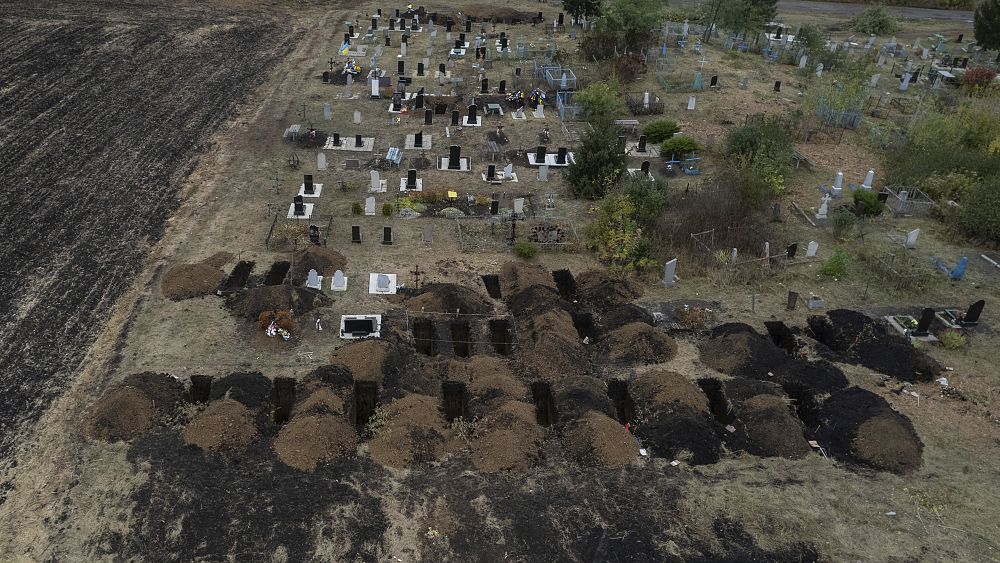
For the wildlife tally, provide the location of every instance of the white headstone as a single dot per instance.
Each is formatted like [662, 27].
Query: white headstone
[811, 249]
[375, 87]
[312, 281]
[519, 206]
[645, 100]
[370, 206]
[874, 80]
[339, 282]
[869, 179]
[823, 208]
[767, 249]
[803, 61]
[925, 53]
[376, 181]
[543, 173]
[838, 182]
[320, 161]
[508, 171]
[670, 273]
[357, 117]
[402, 49]
[691, 102]
[327, 114]
[819, 68]
[905, 84]
[911, 239]
[732, 259]
[382, 283]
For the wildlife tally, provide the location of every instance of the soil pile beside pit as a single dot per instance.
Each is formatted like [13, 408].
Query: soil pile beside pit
[219, 259]
[365, 359]
[517, 276]
[413, 433]
[252, 302]
[534, 300]
[741, 353]
[765, 424]
[662, 388]
[507, 439]
[185, 281]
[165, 390]
[820, 377]
[604, 292]
[488, 379]
[225, 425]
[596, 440]
[870, 343]
[860, 427]
[681, 433]
[308, 440]
[623, 315]
[638, 344]
[447, 298]
[554, 348]
[576, 396]
[122, 413]
[313, 257]
[251, 389]
[317, 398]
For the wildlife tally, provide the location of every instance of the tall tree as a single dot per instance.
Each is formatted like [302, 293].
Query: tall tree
[986, 24]
[586, 8]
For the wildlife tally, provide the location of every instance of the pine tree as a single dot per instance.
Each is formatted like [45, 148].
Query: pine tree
[986, 24]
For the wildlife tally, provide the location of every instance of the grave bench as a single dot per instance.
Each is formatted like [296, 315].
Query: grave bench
[394, 156]
[631, 124]
[800, 158]
[493, 150]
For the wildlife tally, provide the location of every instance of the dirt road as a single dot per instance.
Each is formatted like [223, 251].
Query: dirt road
[846, 10]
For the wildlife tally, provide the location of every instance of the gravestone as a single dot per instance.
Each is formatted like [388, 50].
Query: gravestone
[386, 234]
[313, 281]
[503, 87]
[924, 324]
[418, 140]
[336, 139]
[802, 61]
[320, 161]
[905, 84]
[519, 206]
[670, 273]
[713, 82]
[298, 206]
[561, 155]
[376, 181]
[382, 283]
[411, 179]
[777, 86]
[494, 207]
[911, 239]
[644, 168]
[370, 206]
[491, 172]
[358, 142]
[540, 153]
[823, 208]
[691, 103]
[812, 249]
[971, 317]
[873, 82]
[357, 117]
[543, 173]
[454, 157]
[339, 282]
[793, 300]
[791, 250]
[641, 147]
[356, 233]
[869, 180]
[455, 116]
[327, 114]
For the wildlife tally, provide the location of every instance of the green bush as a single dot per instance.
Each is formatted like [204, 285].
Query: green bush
[954, 185]
[874, 19]
[760, 181]
[648, 196]
[598, 165]
[843, 223]
[387, 209]
[952, 340]
[836, 265]
[679, 145]
[617, 236]
[600, 101]
[357, 209]
[660, 130]
[866, 203]
[525, 250]
[980, 213]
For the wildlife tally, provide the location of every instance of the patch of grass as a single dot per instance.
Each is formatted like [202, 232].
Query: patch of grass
[836, 265]
[525, 250]
[952, 340]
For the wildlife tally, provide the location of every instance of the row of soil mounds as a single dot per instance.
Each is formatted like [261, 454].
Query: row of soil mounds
[854, 425]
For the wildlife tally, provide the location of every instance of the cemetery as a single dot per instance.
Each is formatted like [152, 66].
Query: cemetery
[546, 281]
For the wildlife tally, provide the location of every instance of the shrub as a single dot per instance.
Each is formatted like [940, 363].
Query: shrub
[979, 77]
[768, 139]
[387, 209]
[600, 101]
[874, 19]
[866, 203]
[649, 197]
[617, 237]
[525, 250]
[679, 145]
[836, 265]
[760, 181]
[954, 185]
[357, 209]
[843, 223]
[952, 340]
[660, 130]
[980, 214]
[599, 164]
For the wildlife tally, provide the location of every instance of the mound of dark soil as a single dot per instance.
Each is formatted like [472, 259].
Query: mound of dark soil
[820, 377]
[599, 441]
[165, 390]
[626, 314]
[661, 388]
[681, 432]
[489, 381]
[870, 343]
[225, 425]
[249, 388]
[517, 276]
[534, 300]
[507, 439]
[764, 421]
[122, 413]
[637, 344]
[313, 257]
[219, 259]
[314, 397]
[576, 396]
[731, 328]
[413, 432]
[185, 281]
[366, 360]
[308, 440]
[741, 353]
[554, 349]
[449, 298]
[338, 377]
[604, 291]
[859, 426]
[252, 302]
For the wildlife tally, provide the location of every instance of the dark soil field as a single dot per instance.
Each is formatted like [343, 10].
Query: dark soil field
[105, 109]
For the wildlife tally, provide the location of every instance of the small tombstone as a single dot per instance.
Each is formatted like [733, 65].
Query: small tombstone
[376, 182]
[454, 157]
[777, 86]
[358, 142]
[691, 103]
[386, 234]
[743, 82]
[418, 140]
[370, 206]
[802, 61]
[644, 168]
[382, 283]
[543, 173]
[503, 87]
[793, 300]
[484, 86]
[905, 84]
[313, 281]
[491, 172]
[298, 206]
[812, 249]
[420, 69]
[869, 180]
[320, 161]
[494, 207]
[561, 155]
[411, 179]
[327, 114]
[838, 180]
[314, 234]
[356, 233]
[641, 147]
[714, 81]
[670, 273]
[540, 153]
[791, 250]
[336, 139]
[428, 235]
[428, 116]
[473, 114]
[819, 69]
[971, 317]
[873, 81]
[911, 239]
[924, 324]
[455, 116]
[339, 282]
[823, 208]
[357, 117]
[519, 206]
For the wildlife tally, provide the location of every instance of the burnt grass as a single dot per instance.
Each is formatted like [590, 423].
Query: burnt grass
[104, 114]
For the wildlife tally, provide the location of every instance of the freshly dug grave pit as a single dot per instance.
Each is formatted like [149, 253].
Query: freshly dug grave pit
[250, 388]
[277, 273]
[595, 440]
[501, 337]
[604, 291]
[576, 396]
[764, 421]
[365, 359]
[860, 427]
[308, 440]
[492, 284]
[165, 390]
[554, 349]
[638, 344]
[224, 426]
[682, 433]
[565, 283]
[618, 392]
[662, 388]
[517, 276]
[449, 298]
[741, 353]
[122, 413]
[488, 380]
[412, 433]
[507, 439]
[252, 302]
[870, 343]
[185, 281]
[326, 262]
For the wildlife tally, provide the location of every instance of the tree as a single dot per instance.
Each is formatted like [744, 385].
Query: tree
[631, 22]
[986, 24]
[742, 16]
[601, 102]
[617, 236]
[586, 8]
[598, 164]
[648, 195]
